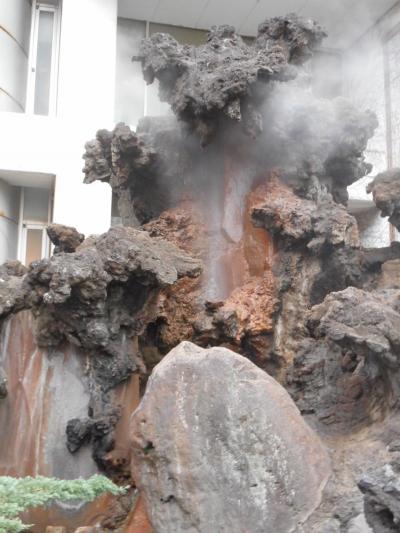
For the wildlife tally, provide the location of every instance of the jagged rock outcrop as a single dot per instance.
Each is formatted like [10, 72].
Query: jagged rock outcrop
[98, 294]
[297, 221]
[381, 489]
[385, 188]
[12, 291]
[223, 79]
[65, 238]
[145, 168]
[99, 299]
[348, 372]
[219, 445]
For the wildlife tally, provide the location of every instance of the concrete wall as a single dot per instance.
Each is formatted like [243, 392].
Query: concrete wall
[366, 83]
[14, 48]
[9, 206]
[364, 74]
[85, 104]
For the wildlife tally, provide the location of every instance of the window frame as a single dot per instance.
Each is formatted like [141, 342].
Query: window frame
[37, 8]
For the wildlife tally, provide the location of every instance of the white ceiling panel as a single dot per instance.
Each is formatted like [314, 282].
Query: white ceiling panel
[138, 9]
[21, 178]
[344, 20]
[266, 9]
[180, 12]
[225, 12]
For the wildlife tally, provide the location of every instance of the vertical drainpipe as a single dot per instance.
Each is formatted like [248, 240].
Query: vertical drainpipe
[20, 219]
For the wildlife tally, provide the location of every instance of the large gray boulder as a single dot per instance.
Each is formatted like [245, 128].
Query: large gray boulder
[219, 446]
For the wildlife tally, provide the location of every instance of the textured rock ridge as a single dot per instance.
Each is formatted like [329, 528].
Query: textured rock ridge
[218, 445]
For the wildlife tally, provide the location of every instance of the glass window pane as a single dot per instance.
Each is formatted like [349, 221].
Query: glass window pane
[43, 62]
[33, 245]
[36, 204]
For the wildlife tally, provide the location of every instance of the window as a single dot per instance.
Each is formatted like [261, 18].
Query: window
[43, 58]
[35, 215]
[35, 242]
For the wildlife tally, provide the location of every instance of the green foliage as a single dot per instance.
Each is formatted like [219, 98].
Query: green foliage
[19, 494]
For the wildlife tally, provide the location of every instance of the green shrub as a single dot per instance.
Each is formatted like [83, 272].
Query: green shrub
[20, 494]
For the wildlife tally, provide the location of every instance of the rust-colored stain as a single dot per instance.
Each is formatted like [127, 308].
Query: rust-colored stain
[138, 521]
[26, 444]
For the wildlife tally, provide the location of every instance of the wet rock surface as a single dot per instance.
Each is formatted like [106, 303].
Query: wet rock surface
[246, 434]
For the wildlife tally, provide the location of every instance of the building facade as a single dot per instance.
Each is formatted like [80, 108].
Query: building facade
[66, 71]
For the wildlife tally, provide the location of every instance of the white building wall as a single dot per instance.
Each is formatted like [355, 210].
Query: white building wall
[85, 103]
[365, 74]
[14, 47]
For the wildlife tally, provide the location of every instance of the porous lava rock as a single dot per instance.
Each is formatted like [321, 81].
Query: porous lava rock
[385, 189]
[65, 238]
[218, 445]
[96, 295]
[224, 78]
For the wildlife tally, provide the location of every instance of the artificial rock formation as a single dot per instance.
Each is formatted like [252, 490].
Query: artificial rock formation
[235, 234]
[218, 445]
[97, 299]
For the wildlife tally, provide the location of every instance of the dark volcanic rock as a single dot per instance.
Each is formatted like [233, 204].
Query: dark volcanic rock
[65, 238]
[223, 79]
[143, 168]
[348, 373]
[381, 488]
[98, 294]
[385, 190]
[293, 220]
[12, 292]
[99, 298]
[218, 445]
